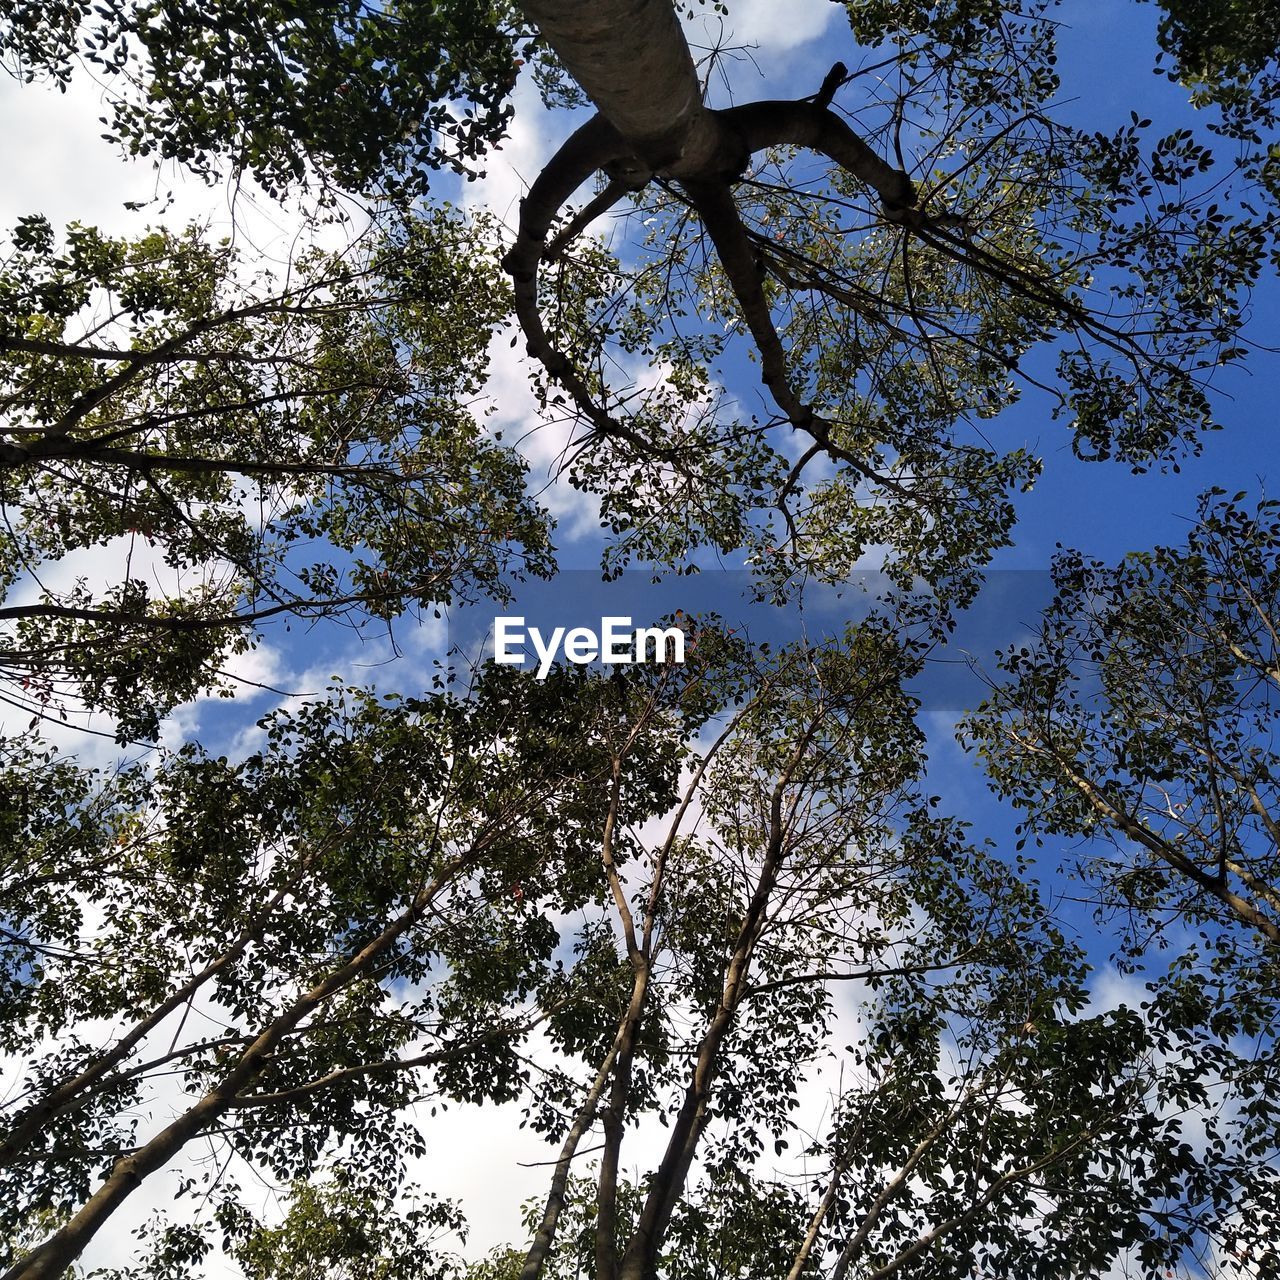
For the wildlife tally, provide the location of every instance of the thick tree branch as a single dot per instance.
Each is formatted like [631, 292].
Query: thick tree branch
[632, 56]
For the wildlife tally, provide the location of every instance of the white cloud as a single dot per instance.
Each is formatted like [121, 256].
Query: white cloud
[58, 164]
[779, 28]
[512, 167]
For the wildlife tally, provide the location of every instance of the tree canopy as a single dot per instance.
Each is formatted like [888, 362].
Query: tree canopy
[249, 448]
[348, 93]
[654, 908]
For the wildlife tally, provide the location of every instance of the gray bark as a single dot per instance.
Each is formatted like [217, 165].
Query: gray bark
[633, 62]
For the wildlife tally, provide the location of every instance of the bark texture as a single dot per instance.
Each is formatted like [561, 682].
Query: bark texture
[631, 59]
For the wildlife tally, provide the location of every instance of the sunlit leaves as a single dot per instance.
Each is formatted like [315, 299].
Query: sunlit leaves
[253, 445]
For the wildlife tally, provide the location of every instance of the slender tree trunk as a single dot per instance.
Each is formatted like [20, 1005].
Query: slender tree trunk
[61, 1249]
[640, 1259]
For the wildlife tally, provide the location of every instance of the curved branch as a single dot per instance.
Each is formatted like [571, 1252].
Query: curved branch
[782, 123]
[714, 201]
[591, 148]
[588, 149]
[728, 139]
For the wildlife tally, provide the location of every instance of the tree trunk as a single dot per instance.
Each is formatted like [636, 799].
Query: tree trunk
[633, 62]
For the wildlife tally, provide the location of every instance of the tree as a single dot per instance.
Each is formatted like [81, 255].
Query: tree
[338, 1229]
[991, 1121]
[237, 450]
[971, 266]
[1143, 714]
[369, 849]
[343, 1229]
[1002, 250]
[443, 848]
[1227, 54]
[1141, 721]
[341, 91]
